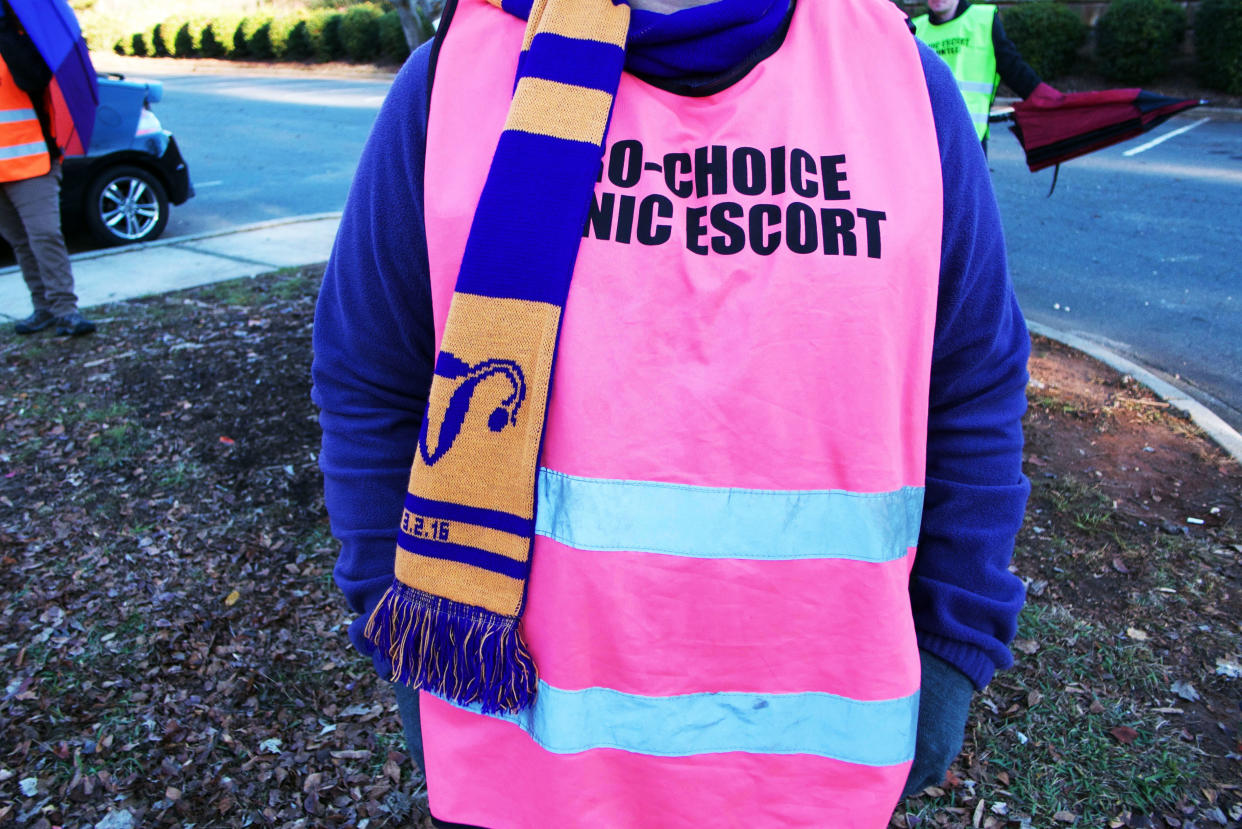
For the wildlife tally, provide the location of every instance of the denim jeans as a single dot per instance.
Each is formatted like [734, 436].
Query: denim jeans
[407, 706]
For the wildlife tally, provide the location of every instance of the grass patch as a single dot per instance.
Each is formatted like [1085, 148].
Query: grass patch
[1059, 732]
[297, 283]
[117, 446]
[1090, 509]
[238, 292]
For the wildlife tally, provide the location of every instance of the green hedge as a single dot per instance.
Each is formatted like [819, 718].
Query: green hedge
[259, 42]
[188, 40]
[216, 38]
[242, 35]
[329, 46]
[392, 45]
[1218, 44]
[1047, 34]
[1136, 38]
[160, 37]
[362, 32]
[299, 40]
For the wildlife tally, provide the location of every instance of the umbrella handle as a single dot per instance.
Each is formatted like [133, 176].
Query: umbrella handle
[1056, 173]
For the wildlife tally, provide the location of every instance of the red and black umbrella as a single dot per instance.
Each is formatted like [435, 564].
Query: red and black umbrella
[1053, 128]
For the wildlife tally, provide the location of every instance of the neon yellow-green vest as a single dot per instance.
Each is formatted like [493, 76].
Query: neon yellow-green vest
[965, 43]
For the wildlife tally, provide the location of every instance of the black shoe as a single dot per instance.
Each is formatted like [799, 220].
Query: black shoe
[73, 325]
[37, 321]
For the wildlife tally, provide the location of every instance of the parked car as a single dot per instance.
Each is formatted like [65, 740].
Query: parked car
[132, 172]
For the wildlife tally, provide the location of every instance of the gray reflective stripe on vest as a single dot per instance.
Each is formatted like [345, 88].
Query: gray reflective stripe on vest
[720, 522]
[19, 150]
[976, 87]
[866, 732]
[979, 117]
[12, 116]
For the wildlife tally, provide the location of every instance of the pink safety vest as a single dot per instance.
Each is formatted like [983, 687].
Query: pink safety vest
[734, 458]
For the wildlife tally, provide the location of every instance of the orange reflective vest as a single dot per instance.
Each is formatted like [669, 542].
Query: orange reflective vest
[23, 150]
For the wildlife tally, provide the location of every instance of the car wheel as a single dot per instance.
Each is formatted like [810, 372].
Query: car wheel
[125, 205]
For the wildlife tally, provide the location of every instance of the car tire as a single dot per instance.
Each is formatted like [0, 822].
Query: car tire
[126, 205]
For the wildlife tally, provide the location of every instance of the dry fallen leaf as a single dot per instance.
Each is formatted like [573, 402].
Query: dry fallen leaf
[312, 783]
[1124, 734]
[231, 599]
[1065, 816]
[1229, 668]
[1136, 634]
[1185, 690]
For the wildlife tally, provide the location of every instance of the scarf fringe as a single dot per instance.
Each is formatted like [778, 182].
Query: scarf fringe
[461, 653]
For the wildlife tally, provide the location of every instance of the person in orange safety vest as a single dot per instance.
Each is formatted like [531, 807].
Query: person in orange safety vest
[30, 175]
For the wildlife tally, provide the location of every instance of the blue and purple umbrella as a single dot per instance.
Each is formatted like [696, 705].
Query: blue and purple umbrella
[74, 91]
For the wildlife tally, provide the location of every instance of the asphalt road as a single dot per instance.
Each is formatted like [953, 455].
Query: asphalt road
[1139, 252]
[264, 148]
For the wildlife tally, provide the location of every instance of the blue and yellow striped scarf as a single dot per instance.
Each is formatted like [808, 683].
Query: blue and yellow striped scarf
[449, 623]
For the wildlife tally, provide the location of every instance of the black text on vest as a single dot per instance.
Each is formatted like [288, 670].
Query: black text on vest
[807, 209]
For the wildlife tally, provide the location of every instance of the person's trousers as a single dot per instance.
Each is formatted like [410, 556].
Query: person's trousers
[30, 223]
[407, 705]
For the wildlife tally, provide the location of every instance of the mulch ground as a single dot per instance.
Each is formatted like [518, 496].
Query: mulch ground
[174, 652]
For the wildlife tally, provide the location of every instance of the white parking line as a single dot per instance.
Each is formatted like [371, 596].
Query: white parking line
[201, 184]
[1141, 147]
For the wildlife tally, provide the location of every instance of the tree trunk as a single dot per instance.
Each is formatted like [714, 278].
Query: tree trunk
[415, 15]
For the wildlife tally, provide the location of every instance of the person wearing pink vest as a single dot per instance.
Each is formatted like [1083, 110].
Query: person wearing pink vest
[779, 480]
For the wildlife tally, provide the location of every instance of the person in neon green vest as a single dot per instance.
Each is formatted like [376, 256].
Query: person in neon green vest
[972, 41]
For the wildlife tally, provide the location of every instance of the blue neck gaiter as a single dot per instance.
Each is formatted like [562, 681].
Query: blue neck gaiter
[697, 41]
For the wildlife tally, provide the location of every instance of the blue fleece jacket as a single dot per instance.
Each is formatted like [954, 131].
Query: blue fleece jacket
[374, 350]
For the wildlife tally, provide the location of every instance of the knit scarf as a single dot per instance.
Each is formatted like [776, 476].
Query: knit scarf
[449, 622]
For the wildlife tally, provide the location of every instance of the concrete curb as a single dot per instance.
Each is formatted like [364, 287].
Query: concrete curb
[193, 237]
[1203, 417]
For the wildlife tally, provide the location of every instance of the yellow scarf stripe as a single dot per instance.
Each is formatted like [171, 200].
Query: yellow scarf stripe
[610, 25]
[460, 583]
[559, 110]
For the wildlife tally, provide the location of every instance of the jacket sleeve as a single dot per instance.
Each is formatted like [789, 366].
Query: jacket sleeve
[964, 598]
[374, 347]
[1013, 70]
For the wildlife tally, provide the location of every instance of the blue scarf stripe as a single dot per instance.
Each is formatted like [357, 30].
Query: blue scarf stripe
[586, 63]
[517, 8]
[446, 551]
[513, 252]
[492, 519]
